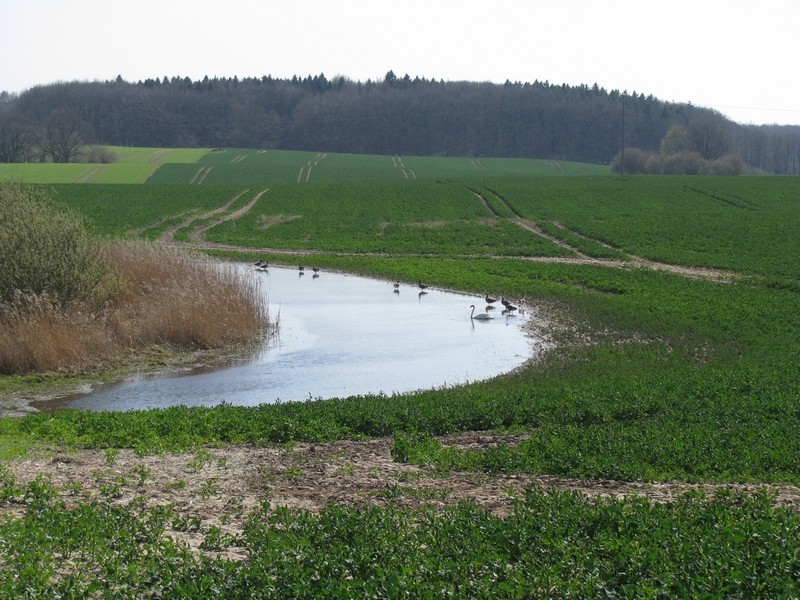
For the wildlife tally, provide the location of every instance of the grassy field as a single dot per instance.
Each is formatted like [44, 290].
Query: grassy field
[133, 165]
[672, 304]
[233, 166]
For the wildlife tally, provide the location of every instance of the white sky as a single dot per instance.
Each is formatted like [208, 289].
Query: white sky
[739, 57]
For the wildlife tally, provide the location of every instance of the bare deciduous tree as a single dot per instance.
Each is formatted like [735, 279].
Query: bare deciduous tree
[17, 138]
[64, 136]
[709, 136]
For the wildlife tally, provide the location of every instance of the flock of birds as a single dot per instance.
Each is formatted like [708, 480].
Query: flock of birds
[509, 310]
[263, 265]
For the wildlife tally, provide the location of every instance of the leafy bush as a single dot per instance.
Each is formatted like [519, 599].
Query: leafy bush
[46, 250]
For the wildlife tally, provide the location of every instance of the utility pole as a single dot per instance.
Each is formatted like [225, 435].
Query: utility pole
[622, 158]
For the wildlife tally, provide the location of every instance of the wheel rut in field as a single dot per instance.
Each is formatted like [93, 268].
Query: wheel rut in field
[197, 241]
[196, 235]
[628, 260]
[398, 164]
[307, 168]
[200, 175]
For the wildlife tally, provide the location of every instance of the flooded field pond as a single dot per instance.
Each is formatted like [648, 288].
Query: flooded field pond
[340, 335]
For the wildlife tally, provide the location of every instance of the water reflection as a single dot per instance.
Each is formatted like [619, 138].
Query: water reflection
[341, 335]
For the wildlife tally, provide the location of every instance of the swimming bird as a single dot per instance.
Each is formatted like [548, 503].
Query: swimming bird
[479, 316]
[422, 286]
[396, 285]
[315, 269]
[490, 300]
[301, 268]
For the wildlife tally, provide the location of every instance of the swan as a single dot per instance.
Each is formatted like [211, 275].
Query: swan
[479, 316]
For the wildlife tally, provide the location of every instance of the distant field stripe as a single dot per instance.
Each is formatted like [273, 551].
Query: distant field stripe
[86, 175]
[158, 157]
[202, 173]
[203, 178]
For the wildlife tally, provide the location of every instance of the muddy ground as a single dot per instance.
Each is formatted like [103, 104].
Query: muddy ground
[220, 486]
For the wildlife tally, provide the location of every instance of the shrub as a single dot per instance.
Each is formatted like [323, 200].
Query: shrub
[727, 165]
[635, 161]
[46, 250]
[684, 163]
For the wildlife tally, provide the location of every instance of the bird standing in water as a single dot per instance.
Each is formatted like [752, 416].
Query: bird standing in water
[479, 316]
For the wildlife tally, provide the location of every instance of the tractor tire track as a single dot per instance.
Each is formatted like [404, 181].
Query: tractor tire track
[198, 234]
[198, 242]
[168, 237]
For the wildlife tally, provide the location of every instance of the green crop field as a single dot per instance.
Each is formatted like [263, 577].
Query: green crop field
[672, 307]
[200, 166]
[281, 166]
[132, 165]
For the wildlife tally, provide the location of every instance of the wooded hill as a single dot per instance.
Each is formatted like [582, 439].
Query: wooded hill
[397, 115]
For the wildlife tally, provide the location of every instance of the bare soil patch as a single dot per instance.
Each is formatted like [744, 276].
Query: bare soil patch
[220, 486]
[272, 220]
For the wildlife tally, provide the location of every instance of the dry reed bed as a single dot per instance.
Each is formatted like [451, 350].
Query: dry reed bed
[160, 297]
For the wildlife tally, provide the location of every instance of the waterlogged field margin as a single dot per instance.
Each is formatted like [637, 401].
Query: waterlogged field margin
[656, 377]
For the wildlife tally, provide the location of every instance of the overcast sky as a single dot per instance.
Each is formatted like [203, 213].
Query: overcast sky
[738, 57]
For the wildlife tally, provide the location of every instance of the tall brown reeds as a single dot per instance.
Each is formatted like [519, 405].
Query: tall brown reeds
[137, 296]
[185, 300]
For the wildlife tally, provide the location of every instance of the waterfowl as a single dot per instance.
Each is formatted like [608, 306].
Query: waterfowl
[479, 316]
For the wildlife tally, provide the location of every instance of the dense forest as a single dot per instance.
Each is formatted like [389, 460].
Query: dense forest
[396, 115]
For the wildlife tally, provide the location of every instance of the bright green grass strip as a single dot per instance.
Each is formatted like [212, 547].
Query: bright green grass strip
[45, 173]
[76, 173]
[157, 156]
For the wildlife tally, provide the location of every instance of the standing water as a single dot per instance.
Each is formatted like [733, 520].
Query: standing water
[338, 336]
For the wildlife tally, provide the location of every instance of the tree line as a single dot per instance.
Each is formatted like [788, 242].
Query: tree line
[394, 115]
